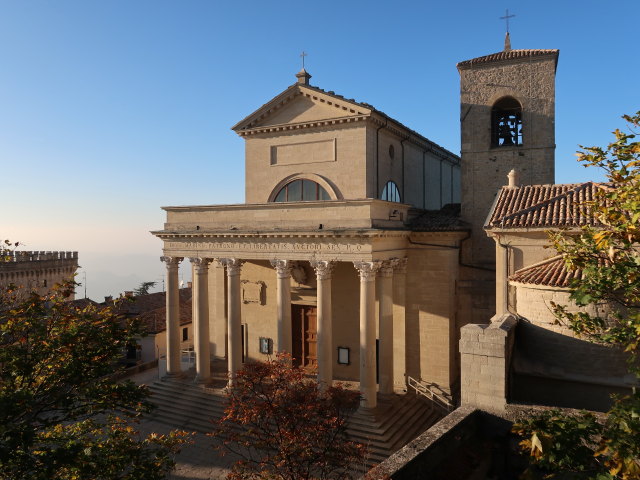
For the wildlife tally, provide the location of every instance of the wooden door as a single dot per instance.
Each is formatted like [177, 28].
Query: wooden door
[304, 322]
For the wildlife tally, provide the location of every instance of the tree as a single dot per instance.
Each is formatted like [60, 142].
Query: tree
[143, 289]
[62, 414]
[283, 426]
[608, 256]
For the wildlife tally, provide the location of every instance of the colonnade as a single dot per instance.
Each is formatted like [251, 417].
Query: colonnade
[367, 270]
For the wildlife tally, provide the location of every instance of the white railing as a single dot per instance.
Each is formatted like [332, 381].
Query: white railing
[431, 391]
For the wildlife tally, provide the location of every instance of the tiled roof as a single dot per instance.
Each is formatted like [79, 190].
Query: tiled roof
[543, 206]
[151, 309]
[549, 273]
[445, 220]
[506, 55]
[155, 321]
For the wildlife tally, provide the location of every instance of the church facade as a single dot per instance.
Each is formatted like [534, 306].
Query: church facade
[362, 248]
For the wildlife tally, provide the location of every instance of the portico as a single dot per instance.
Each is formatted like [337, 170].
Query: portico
[369, 252]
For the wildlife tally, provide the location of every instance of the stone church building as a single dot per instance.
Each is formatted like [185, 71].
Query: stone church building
[364, 247]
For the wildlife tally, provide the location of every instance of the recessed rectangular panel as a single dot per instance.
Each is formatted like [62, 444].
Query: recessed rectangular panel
[307, 152]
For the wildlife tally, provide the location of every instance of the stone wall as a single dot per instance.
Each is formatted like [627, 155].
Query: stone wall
[485, 352]
[38, 271]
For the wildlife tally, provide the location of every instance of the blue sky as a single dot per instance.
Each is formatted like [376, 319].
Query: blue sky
[110, 109]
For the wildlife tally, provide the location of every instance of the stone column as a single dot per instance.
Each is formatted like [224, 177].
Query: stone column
[367, 271]
[201, 318]
[217, 310]
[323, 270]
[283, 270]
[399, 325]
[234, 319]
[385, 296]
[173, 315]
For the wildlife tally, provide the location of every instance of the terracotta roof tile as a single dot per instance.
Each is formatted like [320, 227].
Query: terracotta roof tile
[445, 220]
[155, 321]
[151, 309]
[507, 55]
[549, 273]
[543, 206]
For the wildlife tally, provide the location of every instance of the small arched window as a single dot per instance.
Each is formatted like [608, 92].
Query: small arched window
[506, 123]
[390, 192]
[301, 191]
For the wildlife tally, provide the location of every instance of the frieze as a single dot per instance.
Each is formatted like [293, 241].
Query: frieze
[267, 246]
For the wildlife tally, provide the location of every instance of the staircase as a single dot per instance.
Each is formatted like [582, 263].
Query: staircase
[396, 420]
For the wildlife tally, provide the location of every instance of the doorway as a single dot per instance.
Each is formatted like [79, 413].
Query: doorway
[304, 323]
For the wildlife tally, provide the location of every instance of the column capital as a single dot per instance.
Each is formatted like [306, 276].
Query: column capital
[171, 261]
[201, 264]
[323, 268]
[283, 267]
[388, 266]
[233, 266]
[401, 266]
[367, 270]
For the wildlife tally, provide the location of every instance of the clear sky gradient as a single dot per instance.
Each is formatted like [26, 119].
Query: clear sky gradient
[111, 109]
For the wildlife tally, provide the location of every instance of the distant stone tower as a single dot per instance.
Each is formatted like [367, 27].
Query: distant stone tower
[507, 122]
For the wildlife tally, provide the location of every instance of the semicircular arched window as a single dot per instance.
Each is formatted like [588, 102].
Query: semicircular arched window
[506, 123]
[302, 191]
[390, 192]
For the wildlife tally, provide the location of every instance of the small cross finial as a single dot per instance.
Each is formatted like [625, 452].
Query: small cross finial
[507, 17]
[302, 55]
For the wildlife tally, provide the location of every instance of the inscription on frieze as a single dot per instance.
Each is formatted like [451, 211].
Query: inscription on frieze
[267, 246]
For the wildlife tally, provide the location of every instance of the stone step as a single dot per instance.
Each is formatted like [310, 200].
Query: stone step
[396, 421]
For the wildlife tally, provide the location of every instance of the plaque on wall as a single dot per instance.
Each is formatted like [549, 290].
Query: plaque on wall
[253, 292]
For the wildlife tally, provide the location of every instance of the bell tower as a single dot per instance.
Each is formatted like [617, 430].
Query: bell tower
[507, 119]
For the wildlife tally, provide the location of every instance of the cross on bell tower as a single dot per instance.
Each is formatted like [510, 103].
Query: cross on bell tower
[507, 38]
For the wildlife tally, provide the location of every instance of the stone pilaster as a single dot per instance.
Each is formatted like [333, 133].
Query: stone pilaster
[283, 271]
[201, 318]
[173, 315]
[502, 278]
[323, 269]
[367, 272]
[234, 318]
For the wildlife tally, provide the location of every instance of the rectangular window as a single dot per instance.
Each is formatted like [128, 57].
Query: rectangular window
[185, 334]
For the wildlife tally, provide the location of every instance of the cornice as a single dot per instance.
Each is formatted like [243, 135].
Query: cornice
[284, 127]
[163, 234]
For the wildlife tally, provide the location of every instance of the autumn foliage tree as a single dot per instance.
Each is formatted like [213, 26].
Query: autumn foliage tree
[62, 414]
[284, 427]
[608, 256]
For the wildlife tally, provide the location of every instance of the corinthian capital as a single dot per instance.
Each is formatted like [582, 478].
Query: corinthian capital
[323, 268]
[233, 265]
[201, 264]
[367, 270]
[388, 266]
[171, 261]
[401, 265]
[283, 267]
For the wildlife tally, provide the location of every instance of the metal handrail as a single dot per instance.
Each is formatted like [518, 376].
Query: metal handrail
[427, 390]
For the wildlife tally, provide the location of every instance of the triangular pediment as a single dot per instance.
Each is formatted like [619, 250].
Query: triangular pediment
[301, 104]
